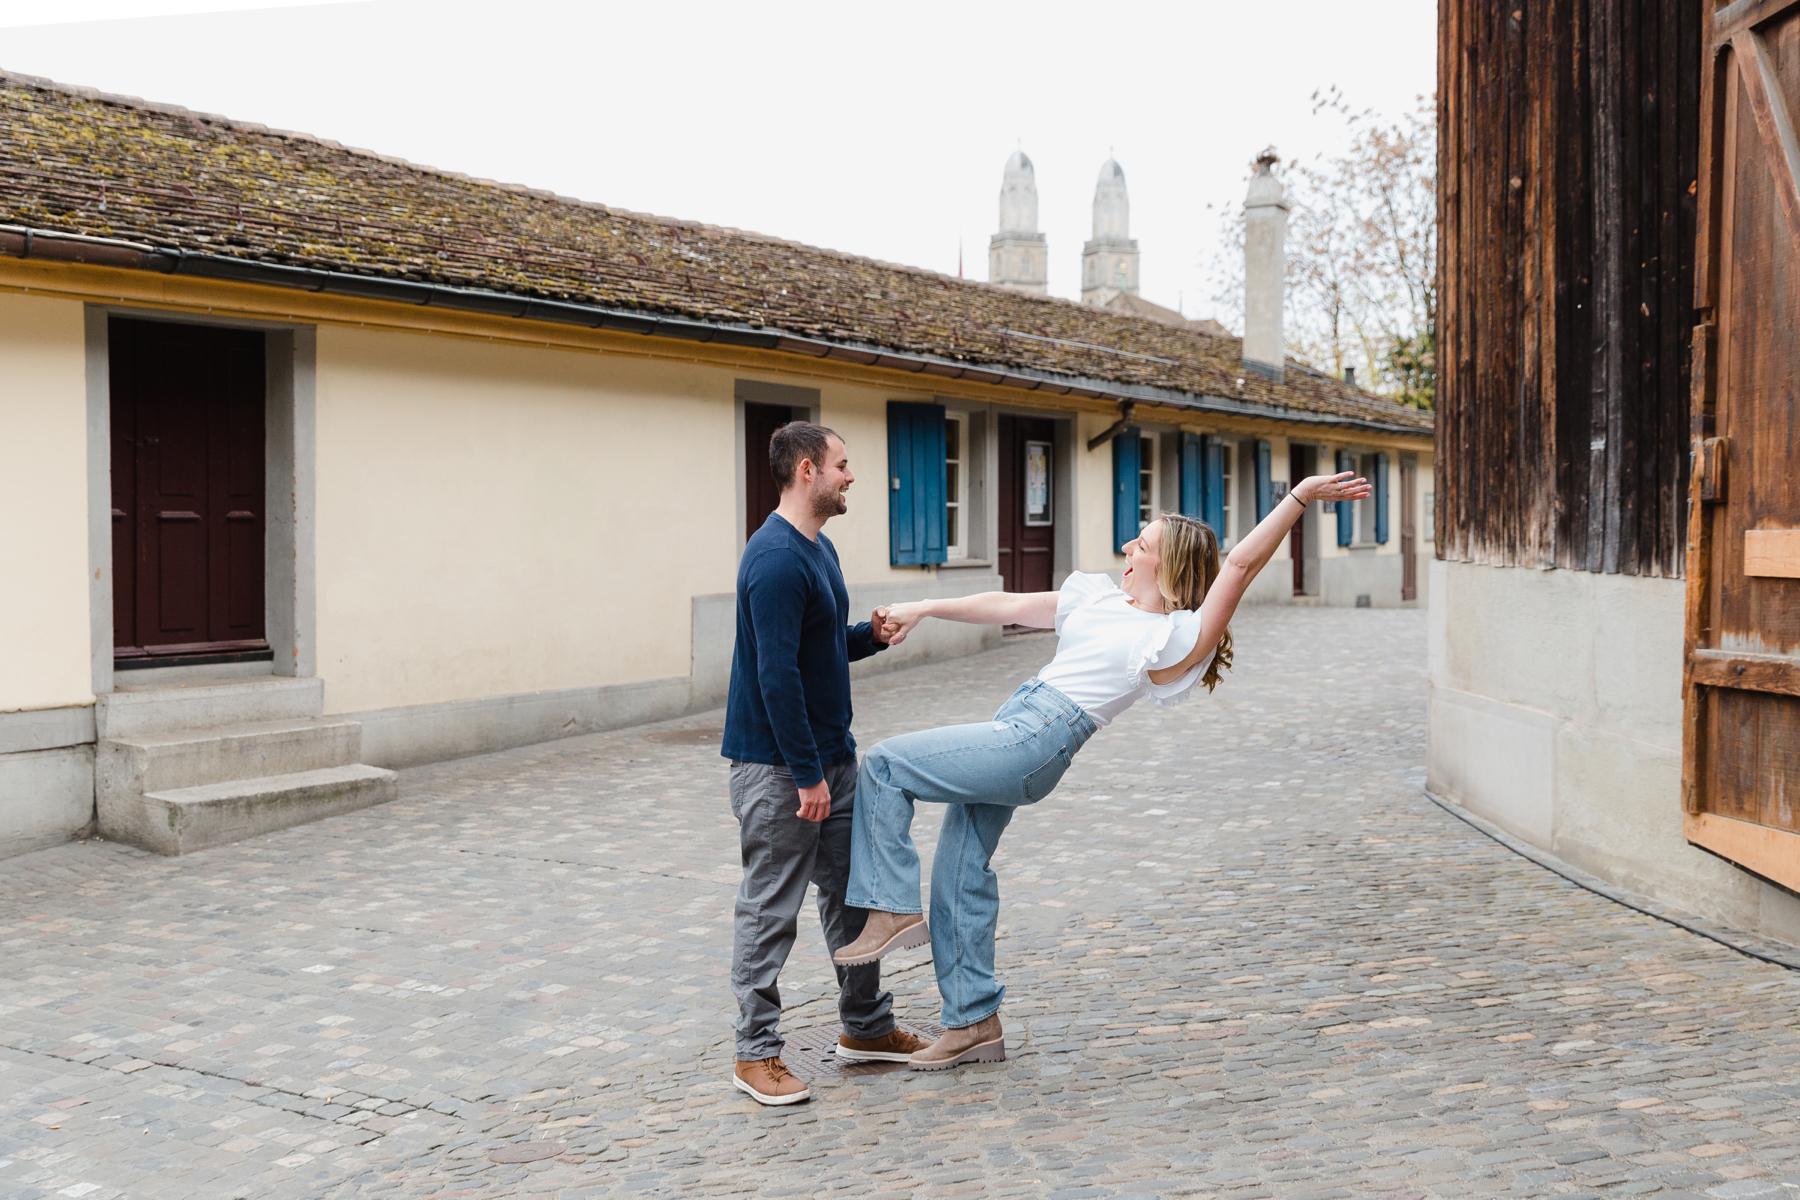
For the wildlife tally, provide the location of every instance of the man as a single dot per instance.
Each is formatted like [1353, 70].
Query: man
[793, 764]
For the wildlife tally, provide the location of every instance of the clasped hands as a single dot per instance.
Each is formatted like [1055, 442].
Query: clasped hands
[892, 622]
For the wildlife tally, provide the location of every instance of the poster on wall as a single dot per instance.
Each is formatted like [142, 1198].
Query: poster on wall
[1037, 483]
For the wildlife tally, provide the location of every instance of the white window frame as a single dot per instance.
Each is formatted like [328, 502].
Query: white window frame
[1365, 509]
[1148, 469]
[956, 500]
[1228, 480]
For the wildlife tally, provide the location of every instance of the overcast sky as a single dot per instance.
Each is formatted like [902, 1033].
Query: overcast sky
[879, 129]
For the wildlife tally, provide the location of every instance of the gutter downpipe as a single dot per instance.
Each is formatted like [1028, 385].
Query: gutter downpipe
[21, 242]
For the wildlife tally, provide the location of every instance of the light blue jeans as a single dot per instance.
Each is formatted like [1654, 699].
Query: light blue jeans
[983, 772]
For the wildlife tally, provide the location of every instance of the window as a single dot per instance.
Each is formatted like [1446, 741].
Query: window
[956, 485]
[1226, 454]
[1147, 480]
[916, 461]
[1365, 509]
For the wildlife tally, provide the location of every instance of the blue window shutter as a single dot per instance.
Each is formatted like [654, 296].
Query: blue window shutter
[903, 544]
[928, 450]
[1215, 487]
[917, 523]
[1265, 482]
[1381, 498]
[1193, 481]
[1345, 510]
[1128, 450]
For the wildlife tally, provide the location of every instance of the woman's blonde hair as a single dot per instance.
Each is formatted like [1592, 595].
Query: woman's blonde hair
[1190, 563]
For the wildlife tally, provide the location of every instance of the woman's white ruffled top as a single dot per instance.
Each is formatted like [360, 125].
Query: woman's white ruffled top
[1106, 648]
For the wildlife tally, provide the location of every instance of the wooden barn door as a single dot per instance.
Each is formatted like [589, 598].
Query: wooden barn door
[1741, 751]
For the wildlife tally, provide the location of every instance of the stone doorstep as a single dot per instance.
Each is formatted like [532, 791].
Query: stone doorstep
[181, 820]
[171, 709]
[188, 758]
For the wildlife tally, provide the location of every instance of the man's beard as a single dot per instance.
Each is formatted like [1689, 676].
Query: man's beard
[829, 503]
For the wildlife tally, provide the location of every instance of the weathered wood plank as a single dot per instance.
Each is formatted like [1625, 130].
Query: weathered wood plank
[1773, 120]
[1772, 853]
[1778, 674]
[1731, 19]
[1772, 553]
[1567, 197]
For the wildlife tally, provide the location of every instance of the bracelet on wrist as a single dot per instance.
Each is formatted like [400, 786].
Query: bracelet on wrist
[1297, 499]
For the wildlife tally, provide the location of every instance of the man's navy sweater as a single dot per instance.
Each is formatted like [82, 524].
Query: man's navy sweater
[789, 703]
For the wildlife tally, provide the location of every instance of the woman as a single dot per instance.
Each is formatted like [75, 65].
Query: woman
[1161, 629]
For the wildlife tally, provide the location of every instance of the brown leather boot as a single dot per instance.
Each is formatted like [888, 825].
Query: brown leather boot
[768, 1081]
[883, 933]
[898, 1046]
[981, 1042]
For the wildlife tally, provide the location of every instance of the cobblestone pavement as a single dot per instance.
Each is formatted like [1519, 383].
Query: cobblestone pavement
[1246, 958]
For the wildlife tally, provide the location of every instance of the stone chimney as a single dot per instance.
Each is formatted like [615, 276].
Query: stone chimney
[1265, 267]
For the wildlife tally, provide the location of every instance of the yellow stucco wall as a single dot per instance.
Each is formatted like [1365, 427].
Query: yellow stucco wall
[499, 519]
[1093, 479]
[44, 608]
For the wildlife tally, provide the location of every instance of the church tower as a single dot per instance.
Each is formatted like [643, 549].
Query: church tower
[1109, 263]
[1017, 256]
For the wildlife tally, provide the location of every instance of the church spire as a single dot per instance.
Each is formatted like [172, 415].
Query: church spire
[1017, 255]
[1109, 262]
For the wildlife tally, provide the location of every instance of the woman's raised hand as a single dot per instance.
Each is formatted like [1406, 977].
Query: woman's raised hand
[1345, 485]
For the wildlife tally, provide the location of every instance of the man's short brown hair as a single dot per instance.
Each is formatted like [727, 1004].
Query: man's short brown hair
[794, 441]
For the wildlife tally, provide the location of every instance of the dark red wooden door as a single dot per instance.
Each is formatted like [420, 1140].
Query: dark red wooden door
[187, 489]
[1409, 527]
[1025, 549]
[1302, 461]
[761, 495]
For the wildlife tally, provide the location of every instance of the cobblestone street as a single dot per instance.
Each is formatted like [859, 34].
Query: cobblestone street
[1245, 957]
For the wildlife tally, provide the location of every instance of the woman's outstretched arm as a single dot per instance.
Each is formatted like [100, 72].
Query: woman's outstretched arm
[1251, 555]
[1034, 609]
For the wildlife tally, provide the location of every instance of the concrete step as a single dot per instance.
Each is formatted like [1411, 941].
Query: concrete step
[182, 820]
[154, 762]
[175, 707]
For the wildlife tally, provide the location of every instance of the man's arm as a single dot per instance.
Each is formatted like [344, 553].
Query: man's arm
[776, 589]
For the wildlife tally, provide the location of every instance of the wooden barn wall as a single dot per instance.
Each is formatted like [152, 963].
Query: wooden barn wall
[1567, 160]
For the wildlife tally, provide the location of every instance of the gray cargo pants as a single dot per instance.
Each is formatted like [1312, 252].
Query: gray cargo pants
[782, 854]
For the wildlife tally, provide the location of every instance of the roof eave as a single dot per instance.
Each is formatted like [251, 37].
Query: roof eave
[22, 242]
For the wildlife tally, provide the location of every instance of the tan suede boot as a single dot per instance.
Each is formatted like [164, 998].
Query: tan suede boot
[883, 933]
[981, 1042]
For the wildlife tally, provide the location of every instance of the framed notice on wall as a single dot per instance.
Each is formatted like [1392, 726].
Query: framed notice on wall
[1037, 483]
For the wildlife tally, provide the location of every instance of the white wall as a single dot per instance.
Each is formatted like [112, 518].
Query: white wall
[1555, 712]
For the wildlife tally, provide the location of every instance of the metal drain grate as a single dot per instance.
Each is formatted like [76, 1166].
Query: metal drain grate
[812, 1053]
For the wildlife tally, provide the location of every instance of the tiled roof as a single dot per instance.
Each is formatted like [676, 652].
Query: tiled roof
[76, 162]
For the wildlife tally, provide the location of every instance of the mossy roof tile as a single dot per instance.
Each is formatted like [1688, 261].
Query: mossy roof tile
[75, 161]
